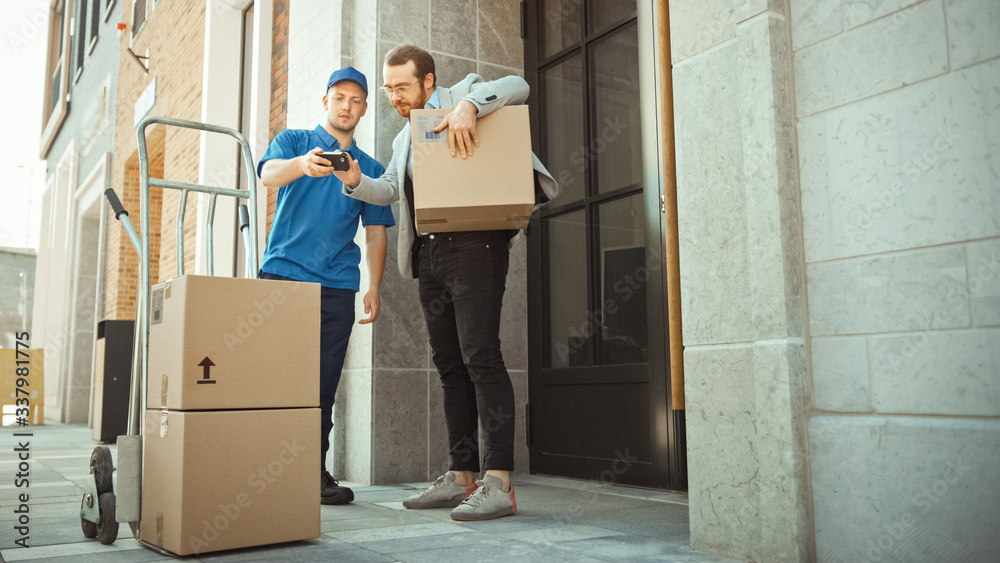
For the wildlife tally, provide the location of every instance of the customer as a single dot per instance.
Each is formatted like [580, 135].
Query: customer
[463, 273]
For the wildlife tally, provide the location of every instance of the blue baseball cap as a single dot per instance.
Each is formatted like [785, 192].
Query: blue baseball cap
[348, 73]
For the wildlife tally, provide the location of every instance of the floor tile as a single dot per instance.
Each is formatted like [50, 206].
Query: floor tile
[557, 520]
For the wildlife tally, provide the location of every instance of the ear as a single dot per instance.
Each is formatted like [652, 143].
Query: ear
[364, 109]
[325, 101]
[429, 80]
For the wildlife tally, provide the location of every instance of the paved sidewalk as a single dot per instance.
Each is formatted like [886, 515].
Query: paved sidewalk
[557, 520]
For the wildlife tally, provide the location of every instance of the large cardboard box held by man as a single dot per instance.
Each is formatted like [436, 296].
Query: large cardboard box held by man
[494, 189]
[216, 480]
[229, 343]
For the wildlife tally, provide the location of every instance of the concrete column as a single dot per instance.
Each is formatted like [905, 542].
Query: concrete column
[741, 281]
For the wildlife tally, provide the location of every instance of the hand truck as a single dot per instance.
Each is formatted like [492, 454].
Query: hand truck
[103, 509]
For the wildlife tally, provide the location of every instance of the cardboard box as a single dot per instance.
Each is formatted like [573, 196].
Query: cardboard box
[217, 480]
[229, 343]
[491, 190]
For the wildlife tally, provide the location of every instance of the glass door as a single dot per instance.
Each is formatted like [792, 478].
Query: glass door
[598, 376]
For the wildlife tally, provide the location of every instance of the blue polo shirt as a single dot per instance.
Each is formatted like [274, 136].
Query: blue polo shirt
[312, 234]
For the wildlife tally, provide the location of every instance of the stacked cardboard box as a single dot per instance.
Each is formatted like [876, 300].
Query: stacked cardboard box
[231, 431]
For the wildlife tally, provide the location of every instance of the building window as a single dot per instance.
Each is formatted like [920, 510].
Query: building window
[95, 24]
[108, 5]
[57, 63]
[81, 40]
[138, 16]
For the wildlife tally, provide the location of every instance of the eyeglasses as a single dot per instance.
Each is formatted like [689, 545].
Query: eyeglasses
[389, 91]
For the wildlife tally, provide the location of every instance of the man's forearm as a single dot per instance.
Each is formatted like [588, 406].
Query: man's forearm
[278, 173]
[376, 246]
[490, 96]
[377, 191]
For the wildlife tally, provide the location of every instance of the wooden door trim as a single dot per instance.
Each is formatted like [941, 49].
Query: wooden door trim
[672, 270]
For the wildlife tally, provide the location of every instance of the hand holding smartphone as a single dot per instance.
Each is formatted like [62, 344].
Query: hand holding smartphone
[337, 159]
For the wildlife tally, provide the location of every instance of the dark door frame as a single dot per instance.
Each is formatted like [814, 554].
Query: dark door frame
[668, 469]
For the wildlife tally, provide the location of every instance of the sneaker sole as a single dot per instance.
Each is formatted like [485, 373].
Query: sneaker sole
[443, 504]
[483, 517]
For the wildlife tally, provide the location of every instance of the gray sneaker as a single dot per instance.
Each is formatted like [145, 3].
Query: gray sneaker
[487, 503]
[443, 493]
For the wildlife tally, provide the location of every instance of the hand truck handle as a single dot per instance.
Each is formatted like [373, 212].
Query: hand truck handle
[116, 204]
[119, 209]
[244, 218]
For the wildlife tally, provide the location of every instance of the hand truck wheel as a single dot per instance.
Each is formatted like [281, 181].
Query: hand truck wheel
[89, 528]
[107, 526]
[103, 466]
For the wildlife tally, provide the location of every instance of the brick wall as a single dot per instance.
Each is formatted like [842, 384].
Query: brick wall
[279, 85]
[174, 35]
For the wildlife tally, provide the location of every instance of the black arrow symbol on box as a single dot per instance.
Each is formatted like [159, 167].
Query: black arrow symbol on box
[207, 364]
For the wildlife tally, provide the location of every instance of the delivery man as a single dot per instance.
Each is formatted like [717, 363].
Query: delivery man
[467, 269]
[312, 235]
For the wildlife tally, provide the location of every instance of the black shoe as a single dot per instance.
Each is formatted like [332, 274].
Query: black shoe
[331, 492]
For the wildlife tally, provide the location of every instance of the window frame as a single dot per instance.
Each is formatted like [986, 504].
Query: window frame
[80, 39]
[54, 111]
[95, 25]
[145, 18]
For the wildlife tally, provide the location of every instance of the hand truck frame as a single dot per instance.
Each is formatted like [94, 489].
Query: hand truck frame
[101, 509]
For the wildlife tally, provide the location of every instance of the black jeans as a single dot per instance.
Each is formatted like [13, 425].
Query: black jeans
[336, 322]
[462, 281]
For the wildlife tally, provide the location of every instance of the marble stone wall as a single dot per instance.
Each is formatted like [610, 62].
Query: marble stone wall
[742, 282]
[839, 223]
[389, 422]
[899, 155]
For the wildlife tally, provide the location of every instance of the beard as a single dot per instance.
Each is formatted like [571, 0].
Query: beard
[347, 128]
[344, 128]
[404, 107]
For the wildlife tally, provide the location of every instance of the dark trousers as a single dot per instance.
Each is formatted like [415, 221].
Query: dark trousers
[462, 281]
[336, 322]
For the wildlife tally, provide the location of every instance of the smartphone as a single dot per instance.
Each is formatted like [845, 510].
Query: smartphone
[336, 159]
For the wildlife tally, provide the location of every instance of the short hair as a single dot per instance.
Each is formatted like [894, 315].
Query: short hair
[403, 54]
